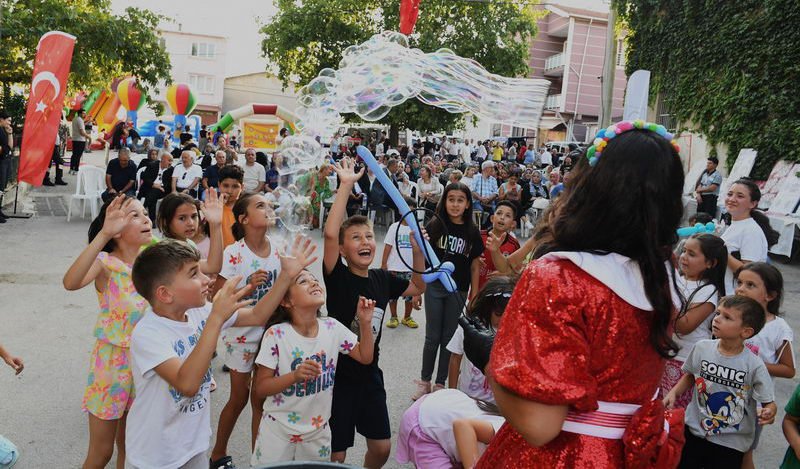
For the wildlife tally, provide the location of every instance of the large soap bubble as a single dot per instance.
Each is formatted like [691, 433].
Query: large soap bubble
[299, 153]
[384, 72]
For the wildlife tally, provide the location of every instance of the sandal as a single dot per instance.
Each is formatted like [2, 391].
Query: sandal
[225, 462]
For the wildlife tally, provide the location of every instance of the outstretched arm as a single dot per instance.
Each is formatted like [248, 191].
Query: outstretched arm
[345, 169]
[212, 208]
[538, 423]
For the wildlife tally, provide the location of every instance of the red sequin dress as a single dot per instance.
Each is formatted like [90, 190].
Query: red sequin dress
[567, 339]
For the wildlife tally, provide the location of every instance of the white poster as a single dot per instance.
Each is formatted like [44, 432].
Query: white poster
[774, 183]
[789, 194]
[742, 167]
[693, 175]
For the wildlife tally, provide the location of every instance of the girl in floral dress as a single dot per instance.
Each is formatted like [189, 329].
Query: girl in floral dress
[116, 236]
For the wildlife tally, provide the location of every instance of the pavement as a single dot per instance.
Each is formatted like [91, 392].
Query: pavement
[51, 329]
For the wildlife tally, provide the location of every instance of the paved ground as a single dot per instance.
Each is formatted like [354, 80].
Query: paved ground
[52, 330]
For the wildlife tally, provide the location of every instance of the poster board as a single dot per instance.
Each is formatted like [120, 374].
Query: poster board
[786, 201]
[774, 182]
[693, 175]
[260, 135]
[742, 167]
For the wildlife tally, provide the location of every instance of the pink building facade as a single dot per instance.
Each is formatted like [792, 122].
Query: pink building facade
[569, 51]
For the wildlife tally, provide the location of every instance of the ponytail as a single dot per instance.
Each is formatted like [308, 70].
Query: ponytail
[763, 223]
[239, 210]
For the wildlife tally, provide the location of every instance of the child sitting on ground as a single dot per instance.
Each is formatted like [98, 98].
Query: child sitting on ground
[297, 367]
[170, 423]
[728, 381]
[396, 250]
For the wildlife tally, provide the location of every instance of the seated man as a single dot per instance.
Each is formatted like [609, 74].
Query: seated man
[120, 176]
[186, 176]
[156, 183]
[211, 174]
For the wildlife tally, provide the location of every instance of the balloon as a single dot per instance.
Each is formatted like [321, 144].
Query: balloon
[129, 94]
[181, 99]
[383, 72]
[709, 227]
[409, 11]
[445, 271]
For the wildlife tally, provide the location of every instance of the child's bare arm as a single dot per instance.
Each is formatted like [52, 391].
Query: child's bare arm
[416, 286]
[267, 384]
[785, 366]
[766, 415]
[468, 433]
[345, 169]
[694, 316]
[454, 370]
[364, 350]
[683, 385]
[12, 361]
[792, 433]
[387, 249]
[212, 208]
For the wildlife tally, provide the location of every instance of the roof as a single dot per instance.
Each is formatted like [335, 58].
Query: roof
[187, 33]
[578, 12]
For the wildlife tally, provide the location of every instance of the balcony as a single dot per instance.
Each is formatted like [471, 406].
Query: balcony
[554, 65]
[553, 102]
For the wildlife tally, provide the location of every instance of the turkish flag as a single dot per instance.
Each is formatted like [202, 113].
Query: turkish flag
[48, 86]
[409, 11]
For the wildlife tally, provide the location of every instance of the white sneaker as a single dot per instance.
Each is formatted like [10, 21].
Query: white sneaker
[423, 387]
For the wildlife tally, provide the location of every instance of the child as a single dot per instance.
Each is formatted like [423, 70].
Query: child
[253, 257]
[728, 381]
[9, 454]
[503, 224]
[454, 238]
[359, 396]
[488, 308]
[469, 435]
[231, 181]
[764, 283]
[297, 368]
[172, 346]
[393, 262]
[703, 263]
[511, 190]
[116, 236]
[179, 218]
[791, 430]
[427, 438]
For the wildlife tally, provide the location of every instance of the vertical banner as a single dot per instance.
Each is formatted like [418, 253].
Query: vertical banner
[48, 86]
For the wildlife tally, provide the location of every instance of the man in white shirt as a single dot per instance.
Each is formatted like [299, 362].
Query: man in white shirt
[466, 153]
[186, 176]
[547, 157]
[481, 152]
[255, 175]
[79, 137]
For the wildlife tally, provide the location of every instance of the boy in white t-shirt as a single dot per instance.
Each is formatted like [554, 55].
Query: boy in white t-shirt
[172, 346]
[397, 248]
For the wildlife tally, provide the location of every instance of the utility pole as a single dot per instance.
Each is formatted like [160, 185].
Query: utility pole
[609, 67]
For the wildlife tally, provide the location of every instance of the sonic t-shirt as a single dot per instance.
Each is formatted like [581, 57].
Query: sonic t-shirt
[723, 406]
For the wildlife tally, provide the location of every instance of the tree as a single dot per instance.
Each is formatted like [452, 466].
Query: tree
[107, 45]
[305, 37]
[728, 67]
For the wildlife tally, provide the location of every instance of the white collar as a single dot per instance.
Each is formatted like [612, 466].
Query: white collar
[619, 273]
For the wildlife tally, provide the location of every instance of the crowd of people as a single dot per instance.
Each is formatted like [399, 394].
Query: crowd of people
[587, 319]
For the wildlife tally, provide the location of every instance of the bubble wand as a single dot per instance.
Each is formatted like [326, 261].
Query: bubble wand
[442, 272]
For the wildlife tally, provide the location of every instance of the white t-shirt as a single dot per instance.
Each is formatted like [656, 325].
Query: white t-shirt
[481, 153]
[186, 176]
[471, 381]
[403, 248]
[768, 343]
[746, 237]
[547, 158]
[303, 407]
[165, 428]
[706, 293]
[253, 175]
[238, 259]
[440, 409]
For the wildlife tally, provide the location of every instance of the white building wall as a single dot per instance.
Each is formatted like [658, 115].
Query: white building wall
[256, 88]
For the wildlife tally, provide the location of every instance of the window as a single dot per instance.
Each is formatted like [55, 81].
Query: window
[204, 50]
[517, 132]
[202, 83]
[620, 52]
[496, 129]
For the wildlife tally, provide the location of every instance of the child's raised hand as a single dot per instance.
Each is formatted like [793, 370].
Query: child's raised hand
[299, 257]
[16, 363]
[257, 278]
[345, 169]
[492, 242]
[212, 207]
[364, 310]
[117, 216]
[228, 299]
[309, 369]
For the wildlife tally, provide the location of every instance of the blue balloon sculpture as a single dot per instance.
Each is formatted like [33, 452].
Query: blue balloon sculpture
[445, 271]
[709, 227]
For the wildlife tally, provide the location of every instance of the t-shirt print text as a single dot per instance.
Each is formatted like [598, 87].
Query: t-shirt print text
[199, 401]
[722, 374]
[454, 245]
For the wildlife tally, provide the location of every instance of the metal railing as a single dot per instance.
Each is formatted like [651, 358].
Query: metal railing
[554, 61]
[553, 102]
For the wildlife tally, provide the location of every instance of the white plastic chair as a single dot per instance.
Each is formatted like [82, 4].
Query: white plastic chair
[139, 177]
[91, 181]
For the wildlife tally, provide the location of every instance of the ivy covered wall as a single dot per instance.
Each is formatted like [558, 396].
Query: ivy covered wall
[732, 67]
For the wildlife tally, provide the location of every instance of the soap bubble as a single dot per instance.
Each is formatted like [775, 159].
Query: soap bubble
[292, 210]
[297, 154]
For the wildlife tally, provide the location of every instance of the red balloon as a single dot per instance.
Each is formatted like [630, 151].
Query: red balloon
[409, 11]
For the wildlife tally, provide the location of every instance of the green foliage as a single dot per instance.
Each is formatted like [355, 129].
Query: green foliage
[730, 67]
[107, 45]
[305, 37]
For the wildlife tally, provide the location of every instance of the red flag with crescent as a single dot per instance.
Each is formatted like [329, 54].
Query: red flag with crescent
[409, 11]
[48, 86]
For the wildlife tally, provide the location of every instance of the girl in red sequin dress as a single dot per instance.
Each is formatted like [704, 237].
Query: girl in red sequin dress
[583, 342]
